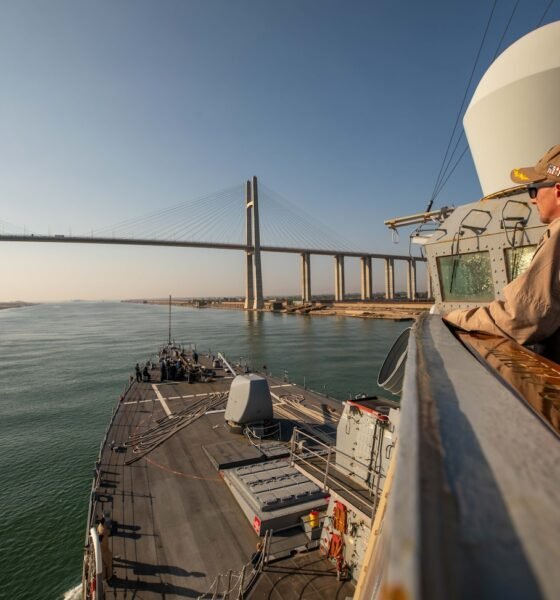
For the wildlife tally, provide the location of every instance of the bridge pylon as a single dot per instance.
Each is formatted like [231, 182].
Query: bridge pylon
[254, 290]
[249, 291]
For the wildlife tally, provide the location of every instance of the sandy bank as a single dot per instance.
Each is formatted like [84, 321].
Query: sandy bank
[393, 310]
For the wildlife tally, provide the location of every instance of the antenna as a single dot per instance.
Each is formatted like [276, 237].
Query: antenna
[169, 341]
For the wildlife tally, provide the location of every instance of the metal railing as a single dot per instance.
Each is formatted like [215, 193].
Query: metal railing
[235, 585]
[97, 472]
[269, 432]
[325, 456]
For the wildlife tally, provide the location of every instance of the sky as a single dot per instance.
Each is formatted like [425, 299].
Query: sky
[110, 111]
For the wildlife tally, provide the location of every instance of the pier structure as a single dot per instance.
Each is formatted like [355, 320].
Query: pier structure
[306, 277]
[338, 278]
[366, 278]
[411, 279]
[429, 287]
[389, 278]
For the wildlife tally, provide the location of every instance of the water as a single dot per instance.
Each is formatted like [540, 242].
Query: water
[62, 369]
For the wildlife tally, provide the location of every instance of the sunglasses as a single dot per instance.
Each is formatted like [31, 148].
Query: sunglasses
[533, 189]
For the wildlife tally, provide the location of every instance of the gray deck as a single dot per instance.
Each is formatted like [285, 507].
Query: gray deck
[179, 526]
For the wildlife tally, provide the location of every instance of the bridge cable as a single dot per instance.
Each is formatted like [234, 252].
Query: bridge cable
[199, 226]
[159, 218]
[295, 224]
[203, 226]
[191, 219]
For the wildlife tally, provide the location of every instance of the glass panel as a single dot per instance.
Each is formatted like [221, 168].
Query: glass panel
[517, 260]
[466, 277]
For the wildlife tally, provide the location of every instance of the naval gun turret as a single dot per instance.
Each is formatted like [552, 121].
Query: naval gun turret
[249, 401]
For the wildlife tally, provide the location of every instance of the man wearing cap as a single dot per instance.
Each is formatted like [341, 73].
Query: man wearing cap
[530, 310]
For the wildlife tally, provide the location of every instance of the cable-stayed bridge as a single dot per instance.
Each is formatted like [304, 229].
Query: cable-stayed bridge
[267, 223]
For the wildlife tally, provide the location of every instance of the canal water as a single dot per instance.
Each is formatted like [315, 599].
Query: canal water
[62, 369]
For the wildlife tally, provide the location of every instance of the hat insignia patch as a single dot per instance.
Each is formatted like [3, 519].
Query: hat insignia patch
[520, 175]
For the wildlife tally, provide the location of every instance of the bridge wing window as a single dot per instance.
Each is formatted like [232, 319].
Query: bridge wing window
[518, 259]
[466, 277]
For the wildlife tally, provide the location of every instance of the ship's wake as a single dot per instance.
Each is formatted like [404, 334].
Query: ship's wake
[73, 594]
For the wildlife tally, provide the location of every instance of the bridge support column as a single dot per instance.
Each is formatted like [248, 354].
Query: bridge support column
[367, 288]
[429, 288]
[249, 285]
[389, 278]
[411, 279]
[339, 278]
[306, 277]
[258, 302]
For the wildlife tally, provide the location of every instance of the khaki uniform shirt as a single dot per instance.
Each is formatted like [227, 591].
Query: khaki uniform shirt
[530, 310]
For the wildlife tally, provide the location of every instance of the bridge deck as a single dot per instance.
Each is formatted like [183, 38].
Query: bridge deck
[178, 525]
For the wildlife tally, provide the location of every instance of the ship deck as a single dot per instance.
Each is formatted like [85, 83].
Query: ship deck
[178, 526]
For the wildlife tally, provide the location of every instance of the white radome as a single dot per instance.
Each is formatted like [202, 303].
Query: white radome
[514, 115]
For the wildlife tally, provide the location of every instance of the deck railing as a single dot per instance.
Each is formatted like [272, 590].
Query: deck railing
[269, 432]
[305, 446]
[235, 585]
[97, 472]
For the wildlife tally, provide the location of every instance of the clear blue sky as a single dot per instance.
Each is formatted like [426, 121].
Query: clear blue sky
[111, 110]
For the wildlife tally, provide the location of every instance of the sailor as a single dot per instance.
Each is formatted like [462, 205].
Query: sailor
[106, 554]
[138, 373]
[530, 310]
[256, 556]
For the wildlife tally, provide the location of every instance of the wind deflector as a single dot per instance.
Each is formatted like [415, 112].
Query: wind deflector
[391, 374]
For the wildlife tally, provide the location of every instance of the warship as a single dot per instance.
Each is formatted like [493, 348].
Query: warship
[216, 481]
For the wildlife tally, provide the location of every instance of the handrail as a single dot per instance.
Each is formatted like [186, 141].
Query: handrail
[330, 465]
[97, 478]
[238, 584]
[251, 435]
[92, 586]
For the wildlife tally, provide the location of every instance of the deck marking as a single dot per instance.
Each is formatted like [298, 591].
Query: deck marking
[162, 400]
[173, 398]
[283, 385]
[141, 401]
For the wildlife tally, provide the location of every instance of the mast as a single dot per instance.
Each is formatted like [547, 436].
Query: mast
[169, 339]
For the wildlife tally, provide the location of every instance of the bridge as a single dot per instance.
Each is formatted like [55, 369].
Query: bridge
[252, 248]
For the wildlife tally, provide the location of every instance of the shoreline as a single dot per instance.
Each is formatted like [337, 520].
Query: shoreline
[17, 304]
[394, 310]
